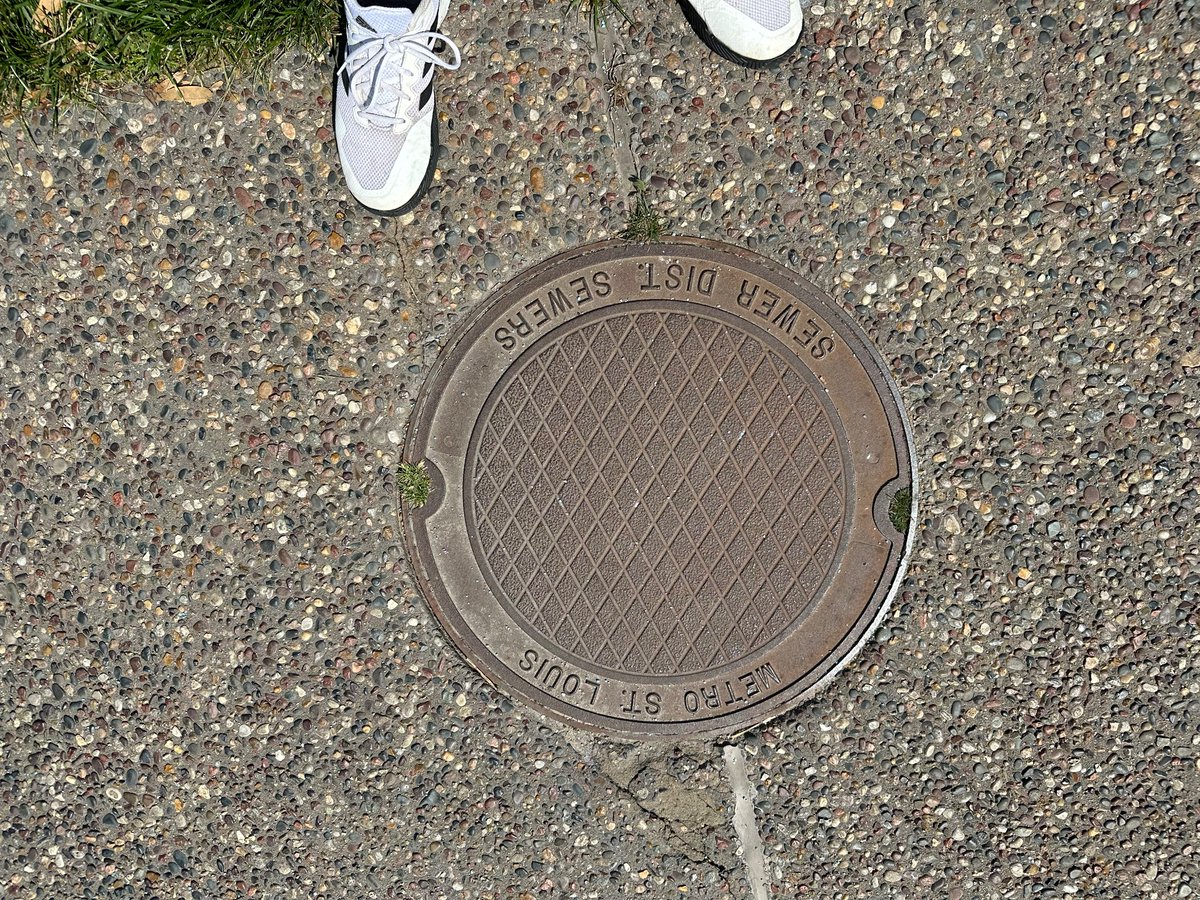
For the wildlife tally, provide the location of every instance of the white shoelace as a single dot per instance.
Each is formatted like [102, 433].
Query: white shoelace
[385, 70]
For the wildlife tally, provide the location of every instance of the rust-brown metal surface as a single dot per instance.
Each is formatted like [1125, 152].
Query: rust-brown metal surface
[661, 479]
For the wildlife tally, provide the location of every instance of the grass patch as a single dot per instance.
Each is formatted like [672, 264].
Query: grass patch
[57, 51]
[597, 11]
[61, 50]
[645, 225]
[900, 509]
[414, 483]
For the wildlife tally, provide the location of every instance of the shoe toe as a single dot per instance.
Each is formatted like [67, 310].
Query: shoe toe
[384, 171]
[755, 29]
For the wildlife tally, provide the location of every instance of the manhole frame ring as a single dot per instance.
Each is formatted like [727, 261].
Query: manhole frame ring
[479, 655]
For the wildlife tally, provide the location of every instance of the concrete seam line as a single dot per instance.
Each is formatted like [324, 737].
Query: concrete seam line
[744, 823]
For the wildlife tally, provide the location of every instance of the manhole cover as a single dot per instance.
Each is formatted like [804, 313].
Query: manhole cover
[662, 478]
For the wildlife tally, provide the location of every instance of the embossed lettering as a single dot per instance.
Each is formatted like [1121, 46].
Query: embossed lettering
[767, 304]
[747, 294]
[766, 674]
[699, 280]
[555, 303]
[786, 317]
[540, 316]
[813, 338]
[558, 300]
[554, 677]
[650, 284]
[520, 325]
[650, 705]
[748, 682]
[583, 293]
[734, 691]
[805, 337]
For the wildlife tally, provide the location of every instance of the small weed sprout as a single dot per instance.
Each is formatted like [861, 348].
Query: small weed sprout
[645, 225]
[900, 509]
[414, 483]
[597, 11]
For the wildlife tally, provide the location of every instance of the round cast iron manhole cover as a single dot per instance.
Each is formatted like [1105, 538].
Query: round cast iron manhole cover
[661, 481]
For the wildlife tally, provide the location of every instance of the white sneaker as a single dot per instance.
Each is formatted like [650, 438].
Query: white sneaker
[384, 116]
[754, 33]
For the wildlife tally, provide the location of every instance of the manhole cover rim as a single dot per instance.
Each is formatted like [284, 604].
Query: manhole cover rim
[801, 687]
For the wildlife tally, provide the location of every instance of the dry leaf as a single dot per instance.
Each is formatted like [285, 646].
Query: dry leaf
[45, 10]
[192, 94]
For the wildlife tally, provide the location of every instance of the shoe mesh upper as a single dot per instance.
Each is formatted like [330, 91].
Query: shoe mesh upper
[770, 14]
[371, 152]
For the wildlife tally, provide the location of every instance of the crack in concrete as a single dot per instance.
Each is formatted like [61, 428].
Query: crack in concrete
[744, 823]
[684, 832]
[605, 49]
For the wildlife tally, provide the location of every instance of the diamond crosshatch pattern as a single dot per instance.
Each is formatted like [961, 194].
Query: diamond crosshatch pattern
[656, 491]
